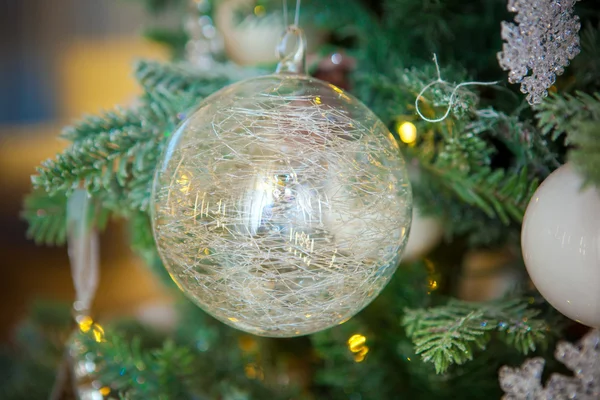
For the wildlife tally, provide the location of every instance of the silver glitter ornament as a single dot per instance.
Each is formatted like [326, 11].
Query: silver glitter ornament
[583, 359]
[282, 204]
[540, 45]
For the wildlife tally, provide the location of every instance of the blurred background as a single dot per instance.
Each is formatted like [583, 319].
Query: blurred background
[60, 59]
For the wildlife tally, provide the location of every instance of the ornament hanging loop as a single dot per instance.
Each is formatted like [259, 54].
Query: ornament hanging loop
[292, 51]
[83, 251]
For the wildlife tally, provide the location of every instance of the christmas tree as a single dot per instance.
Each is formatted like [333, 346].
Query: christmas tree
[477, 150]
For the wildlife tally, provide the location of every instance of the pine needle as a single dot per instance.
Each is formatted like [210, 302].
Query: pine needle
[450, 334]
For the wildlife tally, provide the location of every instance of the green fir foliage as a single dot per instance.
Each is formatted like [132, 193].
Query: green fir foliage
[450, 334]
[138, 373]
[29, 366]
[46, 216]
[172, 39]
[577, 118]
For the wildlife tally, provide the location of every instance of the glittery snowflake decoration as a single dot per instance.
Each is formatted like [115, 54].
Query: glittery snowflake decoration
[542, 42]
[583, 359]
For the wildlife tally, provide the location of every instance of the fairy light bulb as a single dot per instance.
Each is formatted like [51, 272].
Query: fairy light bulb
[407, 132]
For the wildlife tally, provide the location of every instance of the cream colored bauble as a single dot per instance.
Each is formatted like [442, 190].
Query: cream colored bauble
[561, 245]
[425, 234]
[487, 275]
[251, 41]
[160, 315]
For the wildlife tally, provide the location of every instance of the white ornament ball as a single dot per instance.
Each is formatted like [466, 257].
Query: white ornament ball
[425, 234]
[282, 205]
[488, 275]
[560, 238]
[159, 315]
[251, 41]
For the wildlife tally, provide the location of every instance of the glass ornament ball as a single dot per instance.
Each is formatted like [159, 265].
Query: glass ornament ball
[281, 205]
[560, 239]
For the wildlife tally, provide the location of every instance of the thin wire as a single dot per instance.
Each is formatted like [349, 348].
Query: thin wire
[452, 96]
[296, 15]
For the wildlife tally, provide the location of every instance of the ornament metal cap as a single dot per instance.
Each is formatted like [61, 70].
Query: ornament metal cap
[292, 52]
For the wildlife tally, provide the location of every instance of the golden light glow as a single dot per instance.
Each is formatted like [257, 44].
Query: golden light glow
[85, 324]
[259, 11]
[98, 332]
[250, 371]
[360, 356]
[177, 283]
[318, 100]
[184, 182]
[104, 391]
[253, 371]
[356, 343]
[407, 132]
[247, 343]
[393, 140]
[339, 91]
[432, 276]
[233, 319]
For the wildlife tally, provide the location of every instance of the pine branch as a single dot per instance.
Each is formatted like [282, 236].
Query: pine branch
[577, 116]
[456, 154]
[499, 194]
[114, 155]
[119, 118]
[522, 139]
[46, 216]
[586, 66]
[451, 333]
[449, 338]
[28, 368]
[367, 359]
[559, 114]
[461, 164]
[440, 25]
[174, 39]
[586, 154]
[140, 373]
[103, 166]
[184, 80]
[115, 165]
[200, 359]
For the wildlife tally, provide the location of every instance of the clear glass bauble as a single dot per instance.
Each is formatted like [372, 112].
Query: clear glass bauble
[281, 205]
